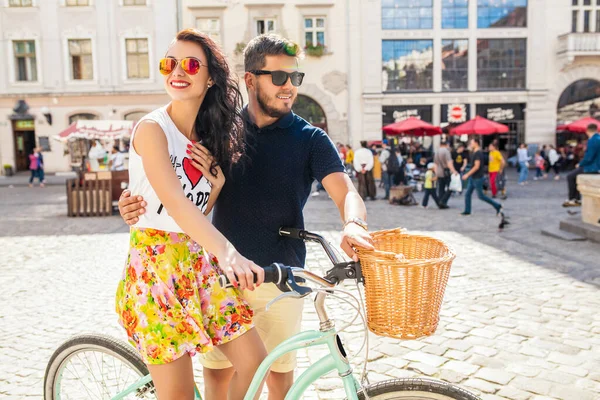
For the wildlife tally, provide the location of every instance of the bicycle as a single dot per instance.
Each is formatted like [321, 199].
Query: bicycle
[79, 355]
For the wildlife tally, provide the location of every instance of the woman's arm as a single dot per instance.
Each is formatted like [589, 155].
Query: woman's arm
[151, 144]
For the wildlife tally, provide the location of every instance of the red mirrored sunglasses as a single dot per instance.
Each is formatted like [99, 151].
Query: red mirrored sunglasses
[190, 65]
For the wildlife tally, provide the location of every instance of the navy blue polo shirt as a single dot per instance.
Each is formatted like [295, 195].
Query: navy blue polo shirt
[269, 189]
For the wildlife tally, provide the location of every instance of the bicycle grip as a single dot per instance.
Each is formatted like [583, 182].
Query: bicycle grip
[293, 233]
[273, 274]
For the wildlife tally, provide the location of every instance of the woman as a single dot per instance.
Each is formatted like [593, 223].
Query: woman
[36, 166]
[554, 161]
[169, 300]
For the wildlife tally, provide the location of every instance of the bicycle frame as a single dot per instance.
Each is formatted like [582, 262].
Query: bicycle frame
[335, 360]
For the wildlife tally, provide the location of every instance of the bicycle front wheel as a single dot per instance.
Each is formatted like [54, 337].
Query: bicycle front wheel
[416, 389]
[95, 367]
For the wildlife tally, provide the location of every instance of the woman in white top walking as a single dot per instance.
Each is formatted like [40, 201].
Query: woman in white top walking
[169, 299]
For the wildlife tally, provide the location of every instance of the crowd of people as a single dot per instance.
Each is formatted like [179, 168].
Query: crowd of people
[469, 166]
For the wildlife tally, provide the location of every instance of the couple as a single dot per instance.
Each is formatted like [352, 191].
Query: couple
[255, 166]
[36, 166]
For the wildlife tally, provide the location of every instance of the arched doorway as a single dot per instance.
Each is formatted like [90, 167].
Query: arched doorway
[311, 111]
[579, 100]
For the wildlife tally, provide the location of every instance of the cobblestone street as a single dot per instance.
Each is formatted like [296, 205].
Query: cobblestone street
[520, 318]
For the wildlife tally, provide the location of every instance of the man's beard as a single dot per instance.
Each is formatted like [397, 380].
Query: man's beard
[263, 103]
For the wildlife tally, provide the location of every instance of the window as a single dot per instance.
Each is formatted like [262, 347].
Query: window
[135, 116]
[587, 2]
[25, 61]
[80, 53]
[314, 31]
[574, 2]
[586, 20]
[598, 21]
[77, 3]
[265, 26]
[407, 65]
[501, 64]
[407, 14]
[574, 18]
[137, 59]
[501, 13]
[82, 116]
[455, 14]
[211, 27]
[20, 3]
[455, 65]
[134, 2]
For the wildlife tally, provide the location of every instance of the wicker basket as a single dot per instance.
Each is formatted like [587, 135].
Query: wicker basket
[405, 279]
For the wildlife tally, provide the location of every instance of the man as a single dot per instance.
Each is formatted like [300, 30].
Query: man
[285, 154]
[95, 154]
[363, 165]
[460, 158]
[385, 174]
[475, 179]
[589, 165]
[496, 165]
[444, 169]
[117, 159]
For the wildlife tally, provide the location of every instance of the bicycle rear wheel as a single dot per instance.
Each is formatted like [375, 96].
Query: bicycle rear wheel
[416, 389]
[95, 367]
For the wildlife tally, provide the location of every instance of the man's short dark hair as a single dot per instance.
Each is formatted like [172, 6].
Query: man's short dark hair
[265, 45]
[592, 127]
[363, 143]
[443, 143]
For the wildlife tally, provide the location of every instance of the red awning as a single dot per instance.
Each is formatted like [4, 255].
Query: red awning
[479, 126]
[579, 126]
[96, 129]
[412, 127]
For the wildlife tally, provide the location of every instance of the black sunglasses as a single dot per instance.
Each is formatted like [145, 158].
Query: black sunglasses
[279, 78]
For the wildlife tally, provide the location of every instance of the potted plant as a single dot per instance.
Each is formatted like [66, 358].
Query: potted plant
[8, 170]
[239, 48]
[315, 50]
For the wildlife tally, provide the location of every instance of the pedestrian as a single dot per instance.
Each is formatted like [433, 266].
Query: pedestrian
[169, 300]
[523, 160]
[363, 165]
[474, 179]
[249, 214]
[444, 169]
[386, 176]
[429, 187]
[460, 158]
[34, 163]
[554, 162]
[95, 154]
[539, 166]
[590, 164]
[117, 159]
[349, 160]
[496, 165]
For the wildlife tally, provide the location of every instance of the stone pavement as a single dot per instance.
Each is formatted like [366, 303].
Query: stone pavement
[520, 318]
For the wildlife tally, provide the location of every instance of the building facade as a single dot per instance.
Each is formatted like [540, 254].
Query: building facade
[76, 59]
[319, 26]
[446, 61]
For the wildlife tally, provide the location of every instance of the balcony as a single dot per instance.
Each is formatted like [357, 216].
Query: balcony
[574, 45]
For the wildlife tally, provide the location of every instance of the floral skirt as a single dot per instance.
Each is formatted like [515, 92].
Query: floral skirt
[170, 302]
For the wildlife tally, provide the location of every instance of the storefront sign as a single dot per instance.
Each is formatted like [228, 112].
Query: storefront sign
[393, 114]
[500, 114]
[25, 125]
[457, 113]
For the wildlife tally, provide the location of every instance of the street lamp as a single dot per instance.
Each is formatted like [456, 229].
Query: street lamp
[46, 112]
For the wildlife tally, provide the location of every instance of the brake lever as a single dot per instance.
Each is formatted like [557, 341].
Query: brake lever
[293, 295]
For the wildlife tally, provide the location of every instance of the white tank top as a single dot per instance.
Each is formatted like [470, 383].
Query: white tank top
[195, 186]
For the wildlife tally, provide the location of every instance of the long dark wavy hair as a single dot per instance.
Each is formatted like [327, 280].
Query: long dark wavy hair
[219, 123]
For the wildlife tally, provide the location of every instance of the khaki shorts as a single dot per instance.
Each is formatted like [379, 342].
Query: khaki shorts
[282, 321]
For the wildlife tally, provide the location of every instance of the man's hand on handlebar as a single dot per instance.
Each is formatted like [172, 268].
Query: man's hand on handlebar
[130, 207]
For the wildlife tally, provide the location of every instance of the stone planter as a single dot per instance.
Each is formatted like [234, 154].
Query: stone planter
[8, 170]
[589, 187]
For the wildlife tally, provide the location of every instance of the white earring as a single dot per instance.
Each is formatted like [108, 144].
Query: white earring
[208, 86]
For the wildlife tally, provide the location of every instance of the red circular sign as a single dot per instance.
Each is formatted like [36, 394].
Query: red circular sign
[457, 112]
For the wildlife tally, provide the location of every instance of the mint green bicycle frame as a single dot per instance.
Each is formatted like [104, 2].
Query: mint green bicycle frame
[333, 361]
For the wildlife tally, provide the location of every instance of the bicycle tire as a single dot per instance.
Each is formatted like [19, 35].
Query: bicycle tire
[416, 389]
[79, 343]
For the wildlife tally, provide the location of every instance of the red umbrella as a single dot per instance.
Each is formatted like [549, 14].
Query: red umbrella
[413, 127]
[479, 126]
[579, 126]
